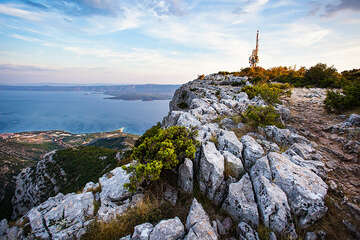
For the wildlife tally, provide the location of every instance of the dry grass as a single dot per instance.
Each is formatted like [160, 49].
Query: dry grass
[239, 132]
[214, 139]
[148, 210]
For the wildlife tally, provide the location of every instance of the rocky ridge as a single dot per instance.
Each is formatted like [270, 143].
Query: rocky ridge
[251, 177]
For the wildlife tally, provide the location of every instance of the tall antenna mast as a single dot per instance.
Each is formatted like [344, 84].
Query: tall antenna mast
[254, 58]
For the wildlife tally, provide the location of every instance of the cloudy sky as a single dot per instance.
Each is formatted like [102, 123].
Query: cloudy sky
[169, 41]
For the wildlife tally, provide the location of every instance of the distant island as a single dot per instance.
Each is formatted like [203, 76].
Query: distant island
[144, 92]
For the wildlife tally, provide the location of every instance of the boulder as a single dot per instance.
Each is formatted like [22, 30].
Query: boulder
[62, 217]
[142, 231]
[113, 194]
[252, 151]
[227, 123]
[272, 201]
[206, 131]
[304, 189]
[171, 229]
[181, 118]
[229, 142]
[354, 120]
[186, 176]
[90, 186]
[240, 202]
[304, 151]
[233, 165]
[196, 214]
[316, 166]
[211, 172]
[246, 232]
[198, 224]
[284, 137]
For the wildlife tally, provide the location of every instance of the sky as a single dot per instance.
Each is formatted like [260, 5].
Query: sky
[169, 41]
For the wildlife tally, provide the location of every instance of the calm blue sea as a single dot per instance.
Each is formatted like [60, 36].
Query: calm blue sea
[76, 112]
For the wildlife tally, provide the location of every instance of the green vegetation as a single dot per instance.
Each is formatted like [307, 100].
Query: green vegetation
[269, 92]
[320, 75]
[262, 116]
[84, 164]
[161, 149]
[348, 98]
[183, 105]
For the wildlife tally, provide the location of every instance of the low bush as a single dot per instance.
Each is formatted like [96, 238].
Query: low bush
[201, 77]
[163, 150]
[348, 99]
[257, 116]
[183, 105]
[269, 92]
[147, 210]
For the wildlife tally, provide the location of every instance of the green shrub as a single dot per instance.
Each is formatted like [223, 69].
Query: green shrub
[262, 116]
[183, 105]
[270, 93]
[322, 76]
[164, 150]
[339, 102]
[148, 134]
[84, 164]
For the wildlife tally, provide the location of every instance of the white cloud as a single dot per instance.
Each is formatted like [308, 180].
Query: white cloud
[15, 11]
[25, 38]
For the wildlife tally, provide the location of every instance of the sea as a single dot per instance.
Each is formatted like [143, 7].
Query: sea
[76, 112]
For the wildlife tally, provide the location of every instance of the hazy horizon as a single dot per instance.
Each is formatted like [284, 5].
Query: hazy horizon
[169, 41]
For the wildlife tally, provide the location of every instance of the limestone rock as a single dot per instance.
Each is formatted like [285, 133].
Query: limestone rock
[246, 232]
[229, 142]
[240, 202]
[171, 229]
[181, 118]
[186, 176]
[304, 189]
[198, 224]
[113, 194]
[284, 137]
[211, 171]
[252, 151]
[233, 165]
[90, 186]
[142, 231]
[354, 120]
[272, 201]
[61, 217]
[196, 214]
[35, 184]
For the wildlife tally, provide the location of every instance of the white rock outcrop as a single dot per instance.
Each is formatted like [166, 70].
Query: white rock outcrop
[304, 189]
[211, 172]
[240, 202]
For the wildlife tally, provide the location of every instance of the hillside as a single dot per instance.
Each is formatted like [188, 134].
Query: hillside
[25, 149]
[232, 160]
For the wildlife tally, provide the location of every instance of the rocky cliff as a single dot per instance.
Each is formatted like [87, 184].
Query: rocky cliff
[270, 177]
